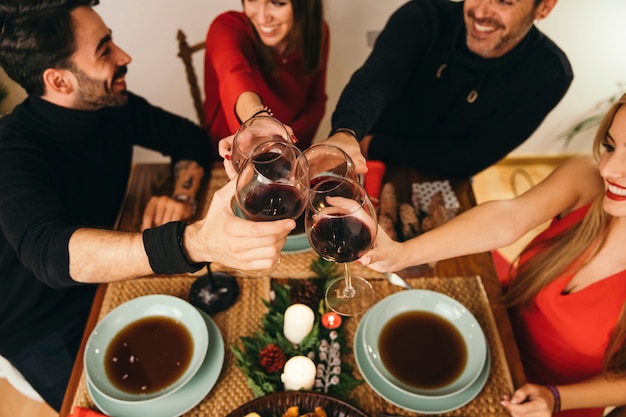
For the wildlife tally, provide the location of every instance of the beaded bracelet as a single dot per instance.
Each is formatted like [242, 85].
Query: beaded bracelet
[557, 398]
[258, 111]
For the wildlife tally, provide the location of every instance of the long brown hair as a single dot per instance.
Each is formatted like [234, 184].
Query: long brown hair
[569, 251]
[306, 36]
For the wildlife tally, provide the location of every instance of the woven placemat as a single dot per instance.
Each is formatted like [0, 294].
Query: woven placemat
[243, 318]
[470, 292]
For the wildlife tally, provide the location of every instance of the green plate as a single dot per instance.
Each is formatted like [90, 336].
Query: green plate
[153, 305]
[441, 305]
[182, 400]
[404, 400]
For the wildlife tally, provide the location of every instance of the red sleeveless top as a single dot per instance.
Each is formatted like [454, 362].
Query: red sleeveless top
[563, 337]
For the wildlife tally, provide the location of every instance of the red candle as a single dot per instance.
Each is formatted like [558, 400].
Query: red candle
[331, 320]
[374, 179]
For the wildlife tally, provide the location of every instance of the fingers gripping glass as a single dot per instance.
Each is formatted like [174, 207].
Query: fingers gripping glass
[252, 133]
[341, 226]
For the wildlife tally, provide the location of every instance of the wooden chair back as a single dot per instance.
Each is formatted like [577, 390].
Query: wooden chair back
[185, 52]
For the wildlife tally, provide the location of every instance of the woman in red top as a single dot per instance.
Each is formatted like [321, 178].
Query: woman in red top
[568, 291]
[274, 56]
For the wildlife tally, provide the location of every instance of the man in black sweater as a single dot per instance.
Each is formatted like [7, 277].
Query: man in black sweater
[65, 159]
[452, 87]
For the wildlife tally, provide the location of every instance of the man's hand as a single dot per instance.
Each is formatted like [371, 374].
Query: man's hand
[164, 209]
[223, 237]
[349, 144]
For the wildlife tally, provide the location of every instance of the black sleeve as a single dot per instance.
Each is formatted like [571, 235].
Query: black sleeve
[168, 133]
[400, 46]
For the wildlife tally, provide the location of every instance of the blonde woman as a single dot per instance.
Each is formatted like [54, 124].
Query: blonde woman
[568, 288]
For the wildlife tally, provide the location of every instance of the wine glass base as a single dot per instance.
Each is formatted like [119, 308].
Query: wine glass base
[217, 297]
[342, 303]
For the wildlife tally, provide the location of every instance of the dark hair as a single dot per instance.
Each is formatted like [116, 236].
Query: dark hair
[306, 36]
[36, 35]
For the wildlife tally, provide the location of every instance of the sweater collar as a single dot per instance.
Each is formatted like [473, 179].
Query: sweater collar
[76, 125]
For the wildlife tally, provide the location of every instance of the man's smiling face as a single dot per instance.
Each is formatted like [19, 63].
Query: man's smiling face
[494, 27]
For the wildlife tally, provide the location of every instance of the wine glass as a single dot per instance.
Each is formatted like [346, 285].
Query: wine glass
[252, 133]
[214, 292]
[327, 160]
[341, 226]
[273, 184]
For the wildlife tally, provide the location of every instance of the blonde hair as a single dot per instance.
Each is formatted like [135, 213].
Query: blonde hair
[569, 251]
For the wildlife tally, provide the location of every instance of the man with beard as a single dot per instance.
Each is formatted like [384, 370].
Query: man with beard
[65, 160]
[450, 88]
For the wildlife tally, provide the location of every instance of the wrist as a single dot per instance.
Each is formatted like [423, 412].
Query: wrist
[164, 246]
[348, 132]
[557, 398]
[261, 110]
[189, 200]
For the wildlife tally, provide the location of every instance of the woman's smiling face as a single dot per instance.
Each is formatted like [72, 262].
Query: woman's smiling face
[273, 21]
[612, 165]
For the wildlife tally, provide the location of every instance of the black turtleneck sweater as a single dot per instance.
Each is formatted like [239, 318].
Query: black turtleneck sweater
[60, 170]
[419, 119]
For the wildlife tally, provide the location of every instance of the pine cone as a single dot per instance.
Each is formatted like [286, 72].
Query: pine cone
[272, 358]
[305, 291]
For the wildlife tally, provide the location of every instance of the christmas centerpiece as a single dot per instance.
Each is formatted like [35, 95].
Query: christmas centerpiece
[295, 337]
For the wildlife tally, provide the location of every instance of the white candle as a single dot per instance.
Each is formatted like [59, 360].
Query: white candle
[298, 373]
[299, 320]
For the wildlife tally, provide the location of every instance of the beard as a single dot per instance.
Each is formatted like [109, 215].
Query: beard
[96, 93]
[503, 43]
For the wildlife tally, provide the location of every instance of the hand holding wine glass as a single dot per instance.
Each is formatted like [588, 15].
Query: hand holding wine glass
[273, 184]
[326, 160]
[252, 133]
[341, 225]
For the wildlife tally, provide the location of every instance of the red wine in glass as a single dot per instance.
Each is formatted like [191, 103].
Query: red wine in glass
[343, 239]
[267, 202]
[273, 184]
[341, 226]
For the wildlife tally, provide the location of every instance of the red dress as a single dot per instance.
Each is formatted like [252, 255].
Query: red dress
[231, 67]
[563, 337]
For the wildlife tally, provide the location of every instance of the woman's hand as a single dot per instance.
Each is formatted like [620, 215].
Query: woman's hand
[530, 400]
[225, 149]
[386, 254]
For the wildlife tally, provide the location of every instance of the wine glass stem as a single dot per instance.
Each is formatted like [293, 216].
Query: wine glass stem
[349, 291]
[211, 279]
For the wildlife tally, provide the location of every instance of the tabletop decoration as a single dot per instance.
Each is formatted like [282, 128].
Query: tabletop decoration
[298, 322]
[299, 373]
[262, 356]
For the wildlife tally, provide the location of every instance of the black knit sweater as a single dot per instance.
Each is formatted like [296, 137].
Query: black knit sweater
[418, 110]
[60, 170]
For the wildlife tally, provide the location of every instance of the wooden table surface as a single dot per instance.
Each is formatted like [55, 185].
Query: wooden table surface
[155, 179]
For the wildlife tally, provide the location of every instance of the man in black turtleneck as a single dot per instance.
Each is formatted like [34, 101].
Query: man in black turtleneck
[452, 87]
[65, 159]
